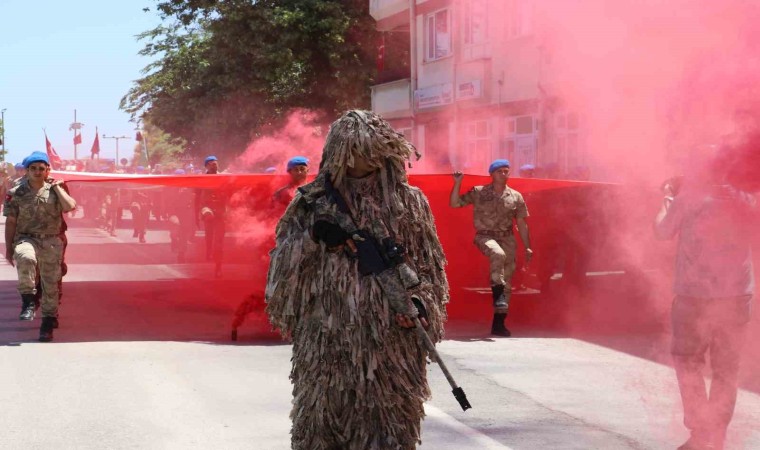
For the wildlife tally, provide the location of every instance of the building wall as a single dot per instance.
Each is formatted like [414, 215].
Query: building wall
[478, 96]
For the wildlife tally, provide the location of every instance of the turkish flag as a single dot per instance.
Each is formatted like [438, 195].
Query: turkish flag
[139, 137]
[95, 145]
[77, 138]
[55, 160]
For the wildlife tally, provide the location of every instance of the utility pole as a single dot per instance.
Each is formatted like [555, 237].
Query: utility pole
[2, 120]
[77, 127]
[117, 145]
[413, 69]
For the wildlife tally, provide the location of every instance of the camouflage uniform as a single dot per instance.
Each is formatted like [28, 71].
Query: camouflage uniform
[38, 243]
[494, 217]
[140, 209]
[213, 209]
[359, 379]
[283, 196]
[181, 223]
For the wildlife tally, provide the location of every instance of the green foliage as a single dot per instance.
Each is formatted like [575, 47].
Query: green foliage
[226, 70]
[162, 148]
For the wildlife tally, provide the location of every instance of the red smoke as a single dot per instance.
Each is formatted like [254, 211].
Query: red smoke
[302, 135]
[651, 79]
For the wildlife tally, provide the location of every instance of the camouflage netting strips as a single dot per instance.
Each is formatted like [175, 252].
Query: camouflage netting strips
[359, 380]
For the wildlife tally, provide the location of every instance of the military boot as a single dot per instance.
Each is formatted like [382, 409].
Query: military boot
[499, 299]
[46, 329]
[497, 327]
[27, 307]
[37, 295]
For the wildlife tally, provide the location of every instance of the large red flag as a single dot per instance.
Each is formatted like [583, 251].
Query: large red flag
[95, 145]
[77, 138]
[55, 160]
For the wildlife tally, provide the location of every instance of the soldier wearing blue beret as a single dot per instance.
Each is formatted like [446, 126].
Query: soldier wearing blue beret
[496, 208]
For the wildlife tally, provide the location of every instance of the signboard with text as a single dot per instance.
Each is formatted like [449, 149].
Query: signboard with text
[469, 90]
[438, 95]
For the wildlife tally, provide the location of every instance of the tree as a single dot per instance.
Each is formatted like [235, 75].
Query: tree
[226, 71]
[162, 148]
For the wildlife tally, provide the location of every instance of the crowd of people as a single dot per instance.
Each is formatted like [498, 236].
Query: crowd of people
[36, 207]
[357, 261]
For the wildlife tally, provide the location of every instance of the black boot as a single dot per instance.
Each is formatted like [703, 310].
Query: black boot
[497, 327]
[46, 329]
[27, 307]
[499, 300]
[37, 295]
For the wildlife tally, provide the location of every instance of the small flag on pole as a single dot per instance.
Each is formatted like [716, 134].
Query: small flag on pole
[55, 160]
[95, 145]
[77, 138]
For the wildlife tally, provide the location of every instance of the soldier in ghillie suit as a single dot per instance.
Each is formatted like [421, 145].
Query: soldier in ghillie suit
[359, 372]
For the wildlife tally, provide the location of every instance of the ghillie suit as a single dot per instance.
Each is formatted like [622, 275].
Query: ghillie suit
[359, 379]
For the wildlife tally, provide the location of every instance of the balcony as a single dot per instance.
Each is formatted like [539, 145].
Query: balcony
[393, 100]
[389, 14]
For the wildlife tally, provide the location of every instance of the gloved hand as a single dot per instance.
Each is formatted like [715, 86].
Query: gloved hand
[330, 233]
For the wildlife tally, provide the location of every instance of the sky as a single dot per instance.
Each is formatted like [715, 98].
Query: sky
[60, 56]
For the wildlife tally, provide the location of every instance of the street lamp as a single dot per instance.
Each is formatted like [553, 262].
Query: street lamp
[2, 139]
[117, 144]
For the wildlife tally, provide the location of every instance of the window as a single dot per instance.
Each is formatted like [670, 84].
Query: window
[519, 18]
[518, 144]
[475, 21]
[478, 142]
[570, 154]
[438, 35]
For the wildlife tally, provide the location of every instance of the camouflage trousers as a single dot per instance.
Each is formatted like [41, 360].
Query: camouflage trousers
[500, 251]
[214, 227]
[31, 253]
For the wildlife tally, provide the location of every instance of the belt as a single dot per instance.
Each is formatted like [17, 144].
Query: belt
[495, 233]
[40, 236]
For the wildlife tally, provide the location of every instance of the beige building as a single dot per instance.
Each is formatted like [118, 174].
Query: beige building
[475, 86]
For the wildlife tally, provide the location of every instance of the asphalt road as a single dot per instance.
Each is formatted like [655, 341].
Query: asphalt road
[143, 360]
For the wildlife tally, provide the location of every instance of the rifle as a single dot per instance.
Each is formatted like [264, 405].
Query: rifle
[385, 260]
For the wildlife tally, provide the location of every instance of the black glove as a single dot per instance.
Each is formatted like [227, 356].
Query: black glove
[330, 233]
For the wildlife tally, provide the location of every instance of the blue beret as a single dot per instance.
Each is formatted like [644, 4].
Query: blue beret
[36, 157]
[298, 161]
[179, 172]
[527, 167]
[20, 165]
[140, 169]
[498, 164]
[209, 159]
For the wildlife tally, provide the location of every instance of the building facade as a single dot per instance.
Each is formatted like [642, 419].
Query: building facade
[475, 87]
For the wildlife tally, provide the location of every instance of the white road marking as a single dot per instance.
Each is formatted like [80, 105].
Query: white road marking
[483, 442]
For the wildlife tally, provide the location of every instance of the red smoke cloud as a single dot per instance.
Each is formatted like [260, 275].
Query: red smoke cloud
[301, 135]
[651, 79]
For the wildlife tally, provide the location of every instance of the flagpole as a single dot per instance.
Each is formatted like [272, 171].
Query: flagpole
[77, 127]
[75, 135]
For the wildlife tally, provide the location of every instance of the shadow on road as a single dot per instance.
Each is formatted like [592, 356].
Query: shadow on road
[190, 310]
